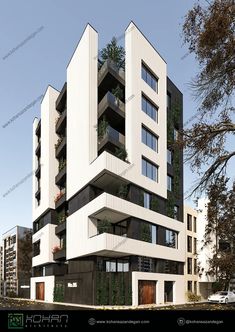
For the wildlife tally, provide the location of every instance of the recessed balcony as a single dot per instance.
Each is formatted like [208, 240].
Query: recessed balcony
[38, 129]
[114, 111]
[60, 254]
[60, 147]
[60, 199]
[111, 140]
[61, 228]
[61, 176]
[109, 76]
[38, 171]
[61, 122]
[38, 193]
[38, 149]
[61, 100]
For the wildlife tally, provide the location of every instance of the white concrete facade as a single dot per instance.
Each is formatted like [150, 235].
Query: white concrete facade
[48, 281]
[84, 165]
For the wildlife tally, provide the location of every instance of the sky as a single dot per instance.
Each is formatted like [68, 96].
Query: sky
[37, 42]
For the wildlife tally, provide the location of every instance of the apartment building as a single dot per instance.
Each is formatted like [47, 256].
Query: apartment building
[191, 266]
[108, 186]
[204, 252]
[16, 261]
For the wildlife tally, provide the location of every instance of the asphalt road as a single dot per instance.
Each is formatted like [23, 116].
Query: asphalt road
[10, 304]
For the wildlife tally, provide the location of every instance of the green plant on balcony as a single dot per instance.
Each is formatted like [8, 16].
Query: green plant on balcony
[62, 164]
[104, 226]
[61, 218]
[102, 128]
[118, 94]
[113, 52]
[123, 191]
[154, 204]
[60, 139]
[121, 153]
[145, 233]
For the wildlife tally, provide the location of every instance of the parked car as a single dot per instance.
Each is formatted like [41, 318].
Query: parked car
[222, 297]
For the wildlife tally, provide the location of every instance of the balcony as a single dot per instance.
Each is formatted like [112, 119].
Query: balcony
[60, 199]
[38, 171]
[38, 129]
[38, 194]
[111, 141]
[61, 122]
[60, 254]
[61, 227]
[38, 149]
[61, 176]
[113, 109]
[60, 147]
[109, 76]
[61, 100]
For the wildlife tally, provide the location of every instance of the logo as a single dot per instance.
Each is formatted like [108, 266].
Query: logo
[91, 321]
[15, 321]
[181, 321]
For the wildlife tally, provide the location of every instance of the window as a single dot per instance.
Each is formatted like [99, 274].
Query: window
[195, 224]
[145, 264]
[194, 246]
[176, 212]
[168, 100]
[13, 240]
[190, 286]
[176, 134]
[170, 238]
[110, 266]
[149, 78]
[150, 170]
[149, 108]
[149, 139]
[146, 200]
[189, 243]
[148, 232]
[116, 266]
[169, 182]
[36, 248]
[169, 157]
[195, 266]
[189, 222]
[189, 260]
[195, 287]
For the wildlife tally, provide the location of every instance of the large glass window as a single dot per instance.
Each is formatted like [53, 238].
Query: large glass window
[169, 182]
[176, 212]
[195, 224]
[170, 238]
[168, 100]
[189, 222]
[147, 198]
[169, 157]
[195, 266]
[176, 134]
[189, 243]
[110, 266]
[194, 246]
[150, 170]
[149, 78]
[189, 261]
[190, 286]
[149, 108]
[149, 139]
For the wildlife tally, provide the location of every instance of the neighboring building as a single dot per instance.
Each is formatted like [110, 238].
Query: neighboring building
[191, 266]
[204, 252]
[1, 270]
[108, 185]
[17, 261]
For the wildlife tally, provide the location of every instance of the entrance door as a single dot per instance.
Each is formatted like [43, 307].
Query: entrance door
[168, 291]
[40, 287]
[147, 292]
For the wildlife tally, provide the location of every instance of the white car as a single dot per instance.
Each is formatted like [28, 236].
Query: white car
[222, 297]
